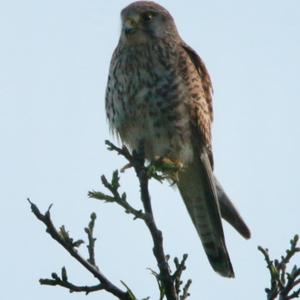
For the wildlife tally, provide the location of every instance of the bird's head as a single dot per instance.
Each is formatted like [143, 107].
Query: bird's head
[146, 20]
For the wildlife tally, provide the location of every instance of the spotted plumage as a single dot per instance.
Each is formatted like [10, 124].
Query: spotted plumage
[159, 93]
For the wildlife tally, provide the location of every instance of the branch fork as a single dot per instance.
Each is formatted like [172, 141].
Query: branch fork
[170, 284]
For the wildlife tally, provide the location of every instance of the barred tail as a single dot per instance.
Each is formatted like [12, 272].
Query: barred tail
[197, 187]
[230, 213]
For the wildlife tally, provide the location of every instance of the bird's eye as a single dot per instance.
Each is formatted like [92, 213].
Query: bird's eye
[147, 17]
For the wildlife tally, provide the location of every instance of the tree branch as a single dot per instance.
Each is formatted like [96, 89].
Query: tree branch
[91, 244]
[121, 200]
[282, 282]
[169, 284]
[64, 240]
[144, 174]
[138, 162]
[63, 282]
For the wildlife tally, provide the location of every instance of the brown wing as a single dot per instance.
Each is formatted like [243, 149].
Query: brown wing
[196, 183]
[202, 114]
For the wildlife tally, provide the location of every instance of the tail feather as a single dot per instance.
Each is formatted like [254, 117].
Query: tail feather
[197, 187]
[230, 213]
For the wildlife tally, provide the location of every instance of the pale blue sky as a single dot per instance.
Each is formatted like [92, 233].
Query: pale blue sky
[54, 59]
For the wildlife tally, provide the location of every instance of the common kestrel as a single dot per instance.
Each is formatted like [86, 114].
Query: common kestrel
[159, 93]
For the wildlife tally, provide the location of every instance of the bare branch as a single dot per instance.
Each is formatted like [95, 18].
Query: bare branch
[282, 282]
[185, 292]
[180, 267]
[91, 244]
[121, 200]
[137, 160]
[63, 282]
[64, 241]
[169, 284]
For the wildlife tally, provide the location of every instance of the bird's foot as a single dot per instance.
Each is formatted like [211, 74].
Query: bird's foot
[165, 168]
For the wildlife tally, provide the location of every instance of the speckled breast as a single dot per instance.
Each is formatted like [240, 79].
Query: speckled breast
[145, 102]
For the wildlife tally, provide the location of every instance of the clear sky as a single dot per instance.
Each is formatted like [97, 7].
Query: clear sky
[54, 59]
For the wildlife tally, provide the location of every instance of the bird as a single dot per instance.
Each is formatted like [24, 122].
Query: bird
[159, 93]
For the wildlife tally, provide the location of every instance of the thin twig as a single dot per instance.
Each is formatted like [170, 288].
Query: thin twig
[180, 267]
[63, 282]
[91, 244]
[185, 292]
[50, 229]
[282, 282]
[116, 197]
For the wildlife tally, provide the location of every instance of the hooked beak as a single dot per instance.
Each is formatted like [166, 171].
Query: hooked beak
[130, 25]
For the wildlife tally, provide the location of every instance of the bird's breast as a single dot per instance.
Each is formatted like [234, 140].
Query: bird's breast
[145, 102]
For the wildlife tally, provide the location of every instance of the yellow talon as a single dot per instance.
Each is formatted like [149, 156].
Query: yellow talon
[169, 167]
